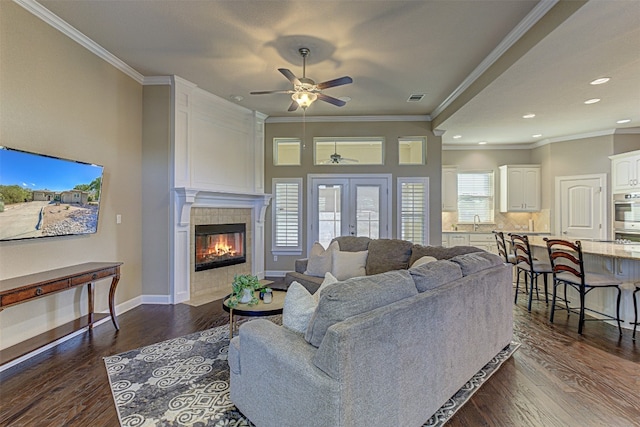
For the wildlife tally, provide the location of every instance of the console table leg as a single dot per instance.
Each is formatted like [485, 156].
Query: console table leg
[91, 295]
[112, 296]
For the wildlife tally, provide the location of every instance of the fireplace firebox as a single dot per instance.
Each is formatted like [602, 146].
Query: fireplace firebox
[219, 245]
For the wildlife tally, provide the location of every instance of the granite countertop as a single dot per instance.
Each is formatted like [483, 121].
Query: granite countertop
[531, 233]
[607, 249]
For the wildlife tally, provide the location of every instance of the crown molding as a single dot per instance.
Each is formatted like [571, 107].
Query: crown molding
[327, 119]
[476, 147]
[627, 131]
[157, 80]
[521, 29]
[586, 135]
[61, 25]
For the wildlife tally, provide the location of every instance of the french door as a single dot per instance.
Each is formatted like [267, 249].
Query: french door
[347, 205]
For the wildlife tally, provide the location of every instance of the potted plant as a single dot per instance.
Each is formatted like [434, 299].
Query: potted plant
[243, 286]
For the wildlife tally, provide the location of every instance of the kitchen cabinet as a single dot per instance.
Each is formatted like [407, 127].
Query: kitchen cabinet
[485, 241]
[625, 172]
[520, 188]
[456, 239]
[449, 188]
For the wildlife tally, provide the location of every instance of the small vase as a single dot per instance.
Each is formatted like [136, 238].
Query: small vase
[268, 297]
[247, 296]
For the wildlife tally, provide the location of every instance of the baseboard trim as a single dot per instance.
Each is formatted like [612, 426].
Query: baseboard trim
[275, 273]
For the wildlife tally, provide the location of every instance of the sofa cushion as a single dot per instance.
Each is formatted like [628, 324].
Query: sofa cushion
[329, 279]
[439, 252]
[355, 296]
[388, 254]
[346, 265]
[474, 262]
[352, 243]
[298, 308]
[320, 259]
[431, 275]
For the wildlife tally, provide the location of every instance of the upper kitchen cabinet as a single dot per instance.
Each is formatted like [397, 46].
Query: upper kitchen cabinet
[625, 172]
[449, 188]
[520, 188]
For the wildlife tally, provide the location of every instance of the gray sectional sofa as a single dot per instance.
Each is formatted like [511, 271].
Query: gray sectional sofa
[384, 255]
[386, 349]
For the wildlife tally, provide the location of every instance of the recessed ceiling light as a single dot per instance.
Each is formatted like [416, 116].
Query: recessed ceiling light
[537, 135]
[529, 116]
[623, 121]
[237, 98]
[592, 101]
[345, 98]
[457, 136]
[482, 143]
[600, 81]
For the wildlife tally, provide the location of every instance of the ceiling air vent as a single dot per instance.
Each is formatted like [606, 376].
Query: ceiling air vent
[416, 97]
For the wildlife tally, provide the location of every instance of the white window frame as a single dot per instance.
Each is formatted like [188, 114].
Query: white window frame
[423, 160]
[289, 141]
[414, 180]
[275, 248]
[354, 140]
[490, 219]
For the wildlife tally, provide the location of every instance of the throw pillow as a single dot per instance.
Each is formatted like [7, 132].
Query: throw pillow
[320, 259]
[387, 255]
[329, 279]
[424, 260]
[349, 264]
[298, 308]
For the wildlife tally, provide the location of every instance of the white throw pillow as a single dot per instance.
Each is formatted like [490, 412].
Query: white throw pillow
[349, 264]
[320, 259]
[298, 308]
[329, 279]
[424, 260]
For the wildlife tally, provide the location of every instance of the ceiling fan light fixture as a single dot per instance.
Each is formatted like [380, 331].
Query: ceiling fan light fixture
[304, 99]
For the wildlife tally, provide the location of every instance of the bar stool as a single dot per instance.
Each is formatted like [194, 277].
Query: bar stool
[635, 309]
[531, 267]
[508, 256]
[568, 269]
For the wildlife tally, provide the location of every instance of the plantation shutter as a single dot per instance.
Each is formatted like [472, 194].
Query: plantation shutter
[413, 210]
[287, 203]
[475, 196]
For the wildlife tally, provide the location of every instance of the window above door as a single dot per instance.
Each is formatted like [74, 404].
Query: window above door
[341, 151]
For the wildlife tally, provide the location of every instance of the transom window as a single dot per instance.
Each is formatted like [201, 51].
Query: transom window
[412, 150]
[340, 151]
[475, 196]
[286, 151]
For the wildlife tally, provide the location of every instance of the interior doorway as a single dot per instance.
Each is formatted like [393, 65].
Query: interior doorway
[581, 206]
[348, 205]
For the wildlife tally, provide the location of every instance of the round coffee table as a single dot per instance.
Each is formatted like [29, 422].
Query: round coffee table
[259, 310]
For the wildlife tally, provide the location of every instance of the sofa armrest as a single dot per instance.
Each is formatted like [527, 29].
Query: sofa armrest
[301, 265]
[277, 379]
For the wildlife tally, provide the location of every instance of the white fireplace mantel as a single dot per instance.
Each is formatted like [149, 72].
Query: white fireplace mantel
[183, 199]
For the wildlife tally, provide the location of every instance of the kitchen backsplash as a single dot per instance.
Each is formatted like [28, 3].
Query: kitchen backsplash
[508, 221]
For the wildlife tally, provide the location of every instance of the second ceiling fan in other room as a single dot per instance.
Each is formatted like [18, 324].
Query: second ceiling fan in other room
[305, 91]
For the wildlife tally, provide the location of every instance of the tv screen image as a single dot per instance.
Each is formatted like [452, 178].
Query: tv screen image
[44, 196]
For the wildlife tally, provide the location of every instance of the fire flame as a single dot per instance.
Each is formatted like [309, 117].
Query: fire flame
[222, 245]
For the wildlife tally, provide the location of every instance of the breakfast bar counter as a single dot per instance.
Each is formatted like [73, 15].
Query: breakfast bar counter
[619, 259]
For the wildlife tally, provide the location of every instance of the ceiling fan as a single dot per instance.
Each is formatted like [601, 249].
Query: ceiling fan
[305, 91]
[336, 158]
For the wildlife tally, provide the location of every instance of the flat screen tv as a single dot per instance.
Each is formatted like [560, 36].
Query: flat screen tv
[46, 196]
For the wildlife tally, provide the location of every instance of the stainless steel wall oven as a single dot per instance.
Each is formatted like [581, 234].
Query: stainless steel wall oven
[626, 223]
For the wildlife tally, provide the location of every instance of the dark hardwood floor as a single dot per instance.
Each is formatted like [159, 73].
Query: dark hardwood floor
[556, 378]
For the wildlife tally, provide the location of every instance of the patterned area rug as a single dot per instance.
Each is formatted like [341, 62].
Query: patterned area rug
[185, 382]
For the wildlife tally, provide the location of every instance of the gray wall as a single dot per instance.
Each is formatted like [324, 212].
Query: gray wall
[58, 98]
[156, 157]
[391, 131]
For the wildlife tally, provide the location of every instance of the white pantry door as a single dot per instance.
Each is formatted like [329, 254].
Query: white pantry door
[581, 207]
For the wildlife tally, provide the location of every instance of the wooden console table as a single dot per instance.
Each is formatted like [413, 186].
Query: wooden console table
[17, 290]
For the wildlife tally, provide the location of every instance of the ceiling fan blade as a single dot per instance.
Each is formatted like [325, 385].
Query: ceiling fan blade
[293, 106]
[266, 92]
[335, 82]
[289, 75]
[331, 100]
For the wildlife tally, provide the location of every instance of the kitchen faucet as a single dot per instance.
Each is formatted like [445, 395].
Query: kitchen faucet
[476, 224]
